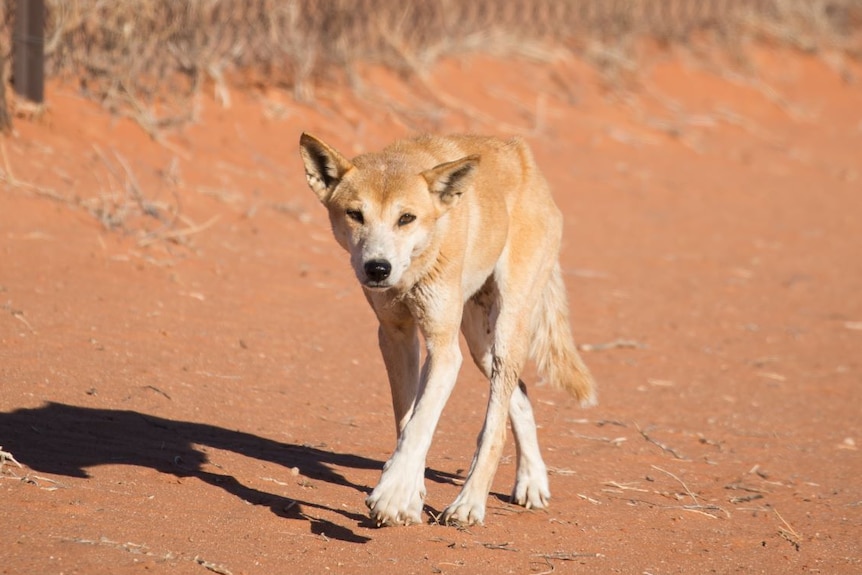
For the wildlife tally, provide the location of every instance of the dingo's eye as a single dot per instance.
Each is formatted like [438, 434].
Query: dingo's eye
[355, 215]
[406, 219]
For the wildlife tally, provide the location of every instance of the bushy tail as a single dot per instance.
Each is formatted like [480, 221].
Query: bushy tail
[553, 349]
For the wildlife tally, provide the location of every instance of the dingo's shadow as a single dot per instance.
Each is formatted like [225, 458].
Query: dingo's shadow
[66, 440]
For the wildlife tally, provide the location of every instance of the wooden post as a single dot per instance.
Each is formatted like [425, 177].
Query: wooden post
[5, 118]
[28, 51]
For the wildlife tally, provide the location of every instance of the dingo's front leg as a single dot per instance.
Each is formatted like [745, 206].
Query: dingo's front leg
[398, 497]
[399, 345]
[398, 337]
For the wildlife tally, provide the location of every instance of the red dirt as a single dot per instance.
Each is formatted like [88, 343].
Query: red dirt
[218, 402]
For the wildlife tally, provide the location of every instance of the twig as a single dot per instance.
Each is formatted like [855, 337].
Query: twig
[616, 441]
[681, 482]
[790, 533]
[589, 499]
[754, 492]
[10, 177]
[177, 234]
[437, 519]
[157, 390]
[31, 479]
[150, 125]
[134, 548]
[783, 520]
[663, 446]
[566, 556]
[561, 556]
[625, 487]
[702, 509]
[549, 564]
[19, 315]
[500, 546]
[134, 190]
[221, 570]
[745, 498]
[617, 343]
[697, 507]
[276, 481]
[6, 456]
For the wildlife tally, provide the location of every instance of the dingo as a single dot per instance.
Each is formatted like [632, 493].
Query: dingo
[446, 233]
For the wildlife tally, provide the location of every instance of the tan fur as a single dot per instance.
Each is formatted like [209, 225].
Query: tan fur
[447, 234]
[557, 359]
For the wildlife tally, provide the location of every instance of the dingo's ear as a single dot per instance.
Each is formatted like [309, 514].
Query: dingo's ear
[324, 167]
[448, 181]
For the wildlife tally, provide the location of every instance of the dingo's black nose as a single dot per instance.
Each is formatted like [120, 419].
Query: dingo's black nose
[377, 270]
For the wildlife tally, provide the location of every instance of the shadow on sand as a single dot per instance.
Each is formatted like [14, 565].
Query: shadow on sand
[66, 440]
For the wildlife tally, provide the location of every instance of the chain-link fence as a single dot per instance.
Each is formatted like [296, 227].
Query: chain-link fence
[142, 49]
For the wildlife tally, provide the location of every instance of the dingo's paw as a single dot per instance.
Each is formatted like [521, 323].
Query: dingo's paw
[465, 510]
[397, 499]
[531, 489]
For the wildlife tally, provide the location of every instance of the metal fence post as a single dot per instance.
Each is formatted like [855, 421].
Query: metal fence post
[28, 52]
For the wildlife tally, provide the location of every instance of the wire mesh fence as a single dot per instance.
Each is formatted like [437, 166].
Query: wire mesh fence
[145, 48]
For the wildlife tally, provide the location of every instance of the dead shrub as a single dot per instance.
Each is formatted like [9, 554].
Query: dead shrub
[158, 53]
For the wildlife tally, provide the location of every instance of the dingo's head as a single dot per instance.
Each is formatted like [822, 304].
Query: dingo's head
[382, 212]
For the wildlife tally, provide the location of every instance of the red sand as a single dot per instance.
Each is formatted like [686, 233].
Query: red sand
[219, 403]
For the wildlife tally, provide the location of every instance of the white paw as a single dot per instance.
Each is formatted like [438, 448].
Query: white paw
[531, 488]
[398, 497]
[465, 510]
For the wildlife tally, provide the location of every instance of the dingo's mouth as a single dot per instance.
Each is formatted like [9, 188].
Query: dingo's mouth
[376, 286]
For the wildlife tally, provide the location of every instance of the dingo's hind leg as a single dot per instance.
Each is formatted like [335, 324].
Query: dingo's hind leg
[520, 278]
[531, 484]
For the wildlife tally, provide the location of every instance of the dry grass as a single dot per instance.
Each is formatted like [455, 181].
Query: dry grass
[148, 58]
[122, 205]
[6, 456]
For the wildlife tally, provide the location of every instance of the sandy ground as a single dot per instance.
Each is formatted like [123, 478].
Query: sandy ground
[190, 379]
